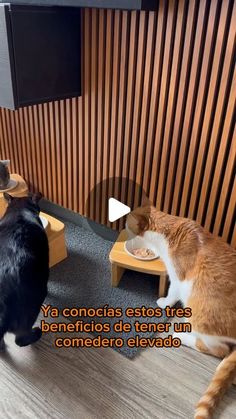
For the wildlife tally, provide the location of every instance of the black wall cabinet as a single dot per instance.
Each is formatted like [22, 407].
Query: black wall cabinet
[39, 54]
[103, 4]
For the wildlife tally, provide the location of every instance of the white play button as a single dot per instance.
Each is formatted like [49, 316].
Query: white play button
[116, 209]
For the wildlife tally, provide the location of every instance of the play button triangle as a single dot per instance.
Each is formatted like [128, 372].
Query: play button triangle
[116, 209]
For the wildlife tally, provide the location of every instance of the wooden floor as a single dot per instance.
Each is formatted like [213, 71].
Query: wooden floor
[44, 382]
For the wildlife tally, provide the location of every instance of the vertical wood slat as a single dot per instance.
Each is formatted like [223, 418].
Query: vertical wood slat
[107, 111]
[35, 166]
[230, 212]
[180, 105]
[62, 129]
[131, 70]
[203, 65]
[53, 152]
[100, 108]
[93, 110]
[87, 103]
[170, 111]
[58, 151]
[164, 88]
[226, 189]
[36, 135]
[114, 101]
[223, 154]
[157, 108]
[137, 107]
[47, 155]
[155, 91]
[181, 170]
[124, 49]
[145, 108]
[75, 172]
[217, 115]
[79, 167]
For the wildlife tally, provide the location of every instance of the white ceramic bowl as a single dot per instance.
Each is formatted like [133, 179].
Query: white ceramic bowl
[44, 221]
[137, 243]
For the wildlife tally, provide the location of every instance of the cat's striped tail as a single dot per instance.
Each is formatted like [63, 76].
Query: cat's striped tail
[223, 378]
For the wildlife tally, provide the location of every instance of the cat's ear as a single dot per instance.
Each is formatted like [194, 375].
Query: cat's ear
[35, 197]
[7, 197]
[5, 162]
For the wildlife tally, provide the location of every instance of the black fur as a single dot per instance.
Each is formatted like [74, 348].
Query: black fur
[24, 269]
[4, 174]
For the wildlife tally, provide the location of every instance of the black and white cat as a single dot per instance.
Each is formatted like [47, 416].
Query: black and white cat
[24, 269]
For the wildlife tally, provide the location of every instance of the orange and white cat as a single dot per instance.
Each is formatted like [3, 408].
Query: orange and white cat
[202, 273]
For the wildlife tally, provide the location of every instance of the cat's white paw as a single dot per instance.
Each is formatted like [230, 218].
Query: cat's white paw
[162, 302]
[187, 339]
[170, 301]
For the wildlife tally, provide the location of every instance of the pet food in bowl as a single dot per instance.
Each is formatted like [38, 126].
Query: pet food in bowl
[143, 253]
[140, 248]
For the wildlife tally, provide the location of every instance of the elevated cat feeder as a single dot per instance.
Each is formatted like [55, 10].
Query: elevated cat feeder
[55, 229]
[120, 261]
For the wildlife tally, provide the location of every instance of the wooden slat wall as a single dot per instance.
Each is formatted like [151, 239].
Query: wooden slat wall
[158, 108]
